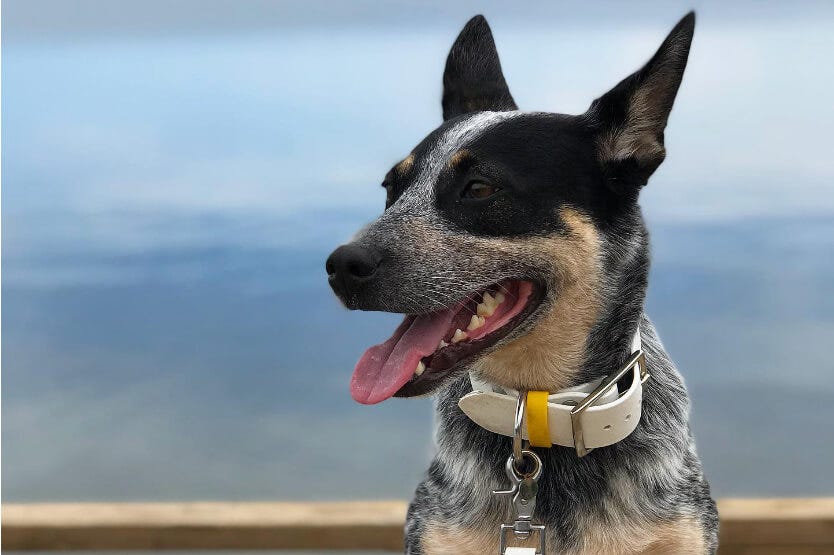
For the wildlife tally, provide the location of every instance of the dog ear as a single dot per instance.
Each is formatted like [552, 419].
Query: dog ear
[631, 117]
[473, 80]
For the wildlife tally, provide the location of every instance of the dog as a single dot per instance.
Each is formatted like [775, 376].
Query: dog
[514, 244]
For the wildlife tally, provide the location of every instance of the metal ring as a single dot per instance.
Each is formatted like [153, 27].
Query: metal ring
[518, 440]
[537, 465]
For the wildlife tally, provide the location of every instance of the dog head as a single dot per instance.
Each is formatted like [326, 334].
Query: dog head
[508, 237]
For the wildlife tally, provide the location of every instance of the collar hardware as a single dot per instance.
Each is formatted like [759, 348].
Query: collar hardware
[523, 489]
[636, 363]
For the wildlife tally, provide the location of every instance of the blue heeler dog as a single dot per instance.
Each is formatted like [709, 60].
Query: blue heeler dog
[514, 244]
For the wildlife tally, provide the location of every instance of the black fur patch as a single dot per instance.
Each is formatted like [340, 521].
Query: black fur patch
[539, 163]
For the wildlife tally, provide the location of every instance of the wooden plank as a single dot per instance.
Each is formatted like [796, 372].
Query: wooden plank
[777, 526]
[748, 526]
[151, 526]
[777, 522]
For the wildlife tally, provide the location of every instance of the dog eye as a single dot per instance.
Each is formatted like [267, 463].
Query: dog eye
[479, 190]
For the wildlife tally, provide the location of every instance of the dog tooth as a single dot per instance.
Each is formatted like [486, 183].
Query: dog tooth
[459, 336]
[489, 300]
[500, 297]
[475, 323]
[421, 367]
[486, 309]
[442, 344]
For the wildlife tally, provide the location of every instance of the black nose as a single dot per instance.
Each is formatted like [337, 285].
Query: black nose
[349, 267]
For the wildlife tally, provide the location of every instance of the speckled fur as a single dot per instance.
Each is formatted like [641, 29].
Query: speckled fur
[622, 495]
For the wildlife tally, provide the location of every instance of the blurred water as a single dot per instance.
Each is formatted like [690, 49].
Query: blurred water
[168, 203]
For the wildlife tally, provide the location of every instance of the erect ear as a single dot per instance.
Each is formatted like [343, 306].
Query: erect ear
[473, 80]
[630, 118]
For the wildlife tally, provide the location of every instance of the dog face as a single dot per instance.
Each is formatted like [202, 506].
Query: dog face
[505, 233]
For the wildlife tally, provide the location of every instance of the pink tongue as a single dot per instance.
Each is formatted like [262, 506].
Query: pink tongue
[386, 367]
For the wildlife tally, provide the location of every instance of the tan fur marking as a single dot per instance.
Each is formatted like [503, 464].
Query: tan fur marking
[459, 157]
[405, 165]
[681, 537]
[546, 357]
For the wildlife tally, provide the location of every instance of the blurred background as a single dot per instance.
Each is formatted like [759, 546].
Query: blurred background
[175, 173]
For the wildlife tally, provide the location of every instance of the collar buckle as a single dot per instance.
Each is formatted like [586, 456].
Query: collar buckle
[636, 363]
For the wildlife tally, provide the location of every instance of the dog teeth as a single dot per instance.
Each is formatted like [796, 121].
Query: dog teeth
[421, 367]
[459, 336]
[487, 307]
[476, 322]
[442, 344]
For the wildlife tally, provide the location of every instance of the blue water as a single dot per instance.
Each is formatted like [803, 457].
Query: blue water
[168, 202]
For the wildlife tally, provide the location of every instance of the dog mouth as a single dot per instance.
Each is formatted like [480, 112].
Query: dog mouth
[425, 349]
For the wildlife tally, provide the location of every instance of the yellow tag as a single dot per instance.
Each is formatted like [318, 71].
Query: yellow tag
[537, 427]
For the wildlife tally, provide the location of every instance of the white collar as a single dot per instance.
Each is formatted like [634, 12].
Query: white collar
[584, 417]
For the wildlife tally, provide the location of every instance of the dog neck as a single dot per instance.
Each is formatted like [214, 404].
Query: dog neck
[474, 457]
[480, 385]
[608, 342]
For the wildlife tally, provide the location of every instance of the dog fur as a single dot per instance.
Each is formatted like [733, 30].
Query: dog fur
[564, 215]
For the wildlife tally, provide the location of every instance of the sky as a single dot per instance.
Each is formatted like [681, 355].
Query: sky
[175, 175]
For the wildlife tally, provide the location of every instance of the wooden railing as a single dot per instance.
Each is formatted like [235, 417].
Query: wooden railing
[748, 526]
